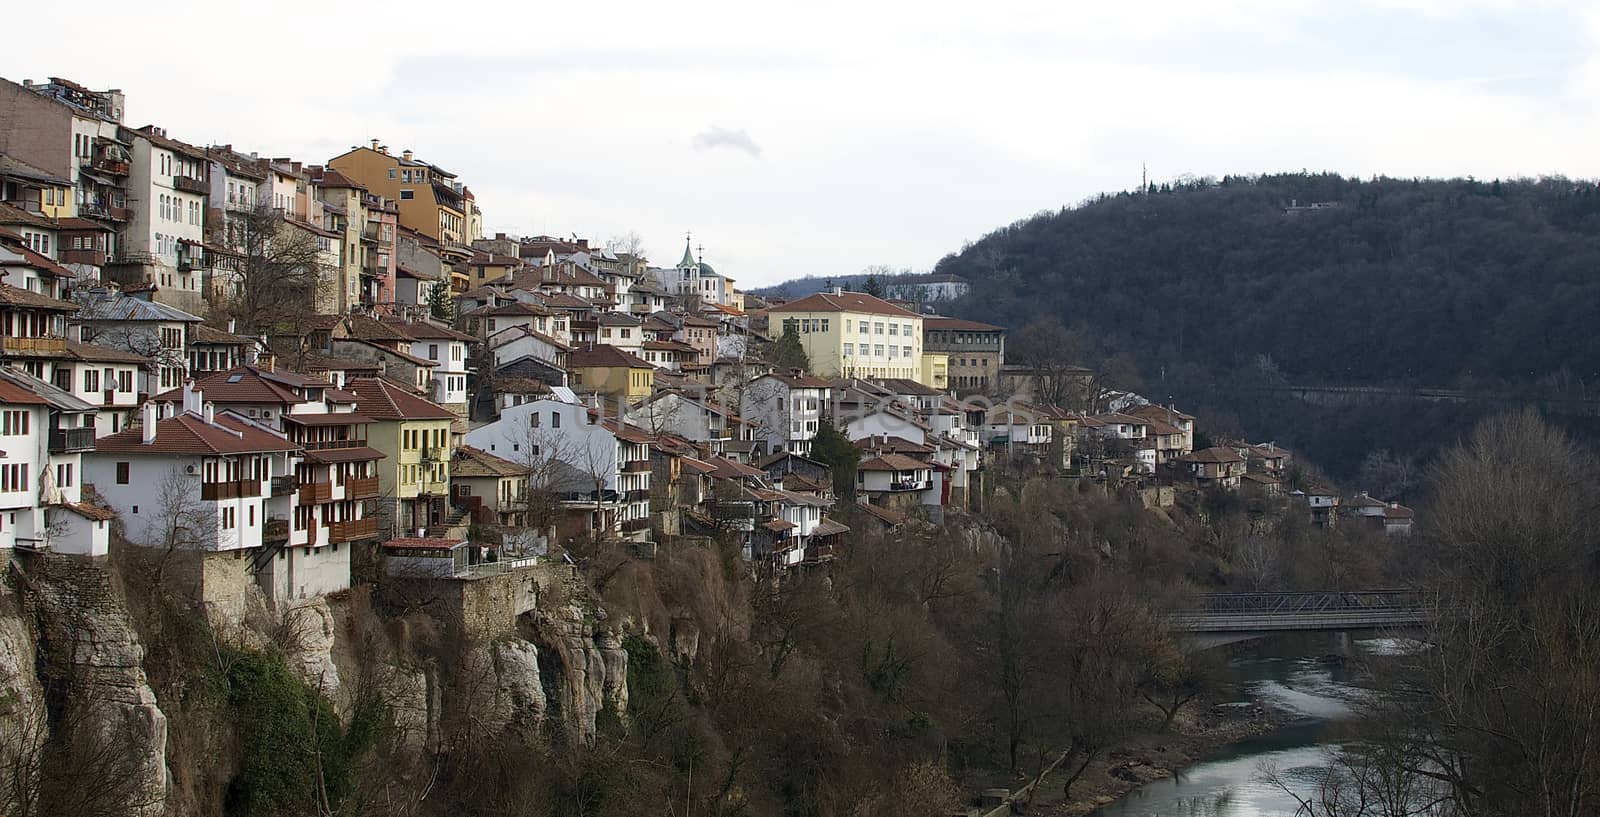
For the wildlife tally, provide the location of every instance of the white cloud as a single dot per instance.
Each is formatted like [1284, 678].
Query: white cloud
[716, 138]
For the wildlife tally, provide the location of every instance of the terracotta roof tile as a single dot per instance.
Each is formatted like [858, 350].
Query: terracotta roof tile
[844, 302]
[382, 400]
[190, 434]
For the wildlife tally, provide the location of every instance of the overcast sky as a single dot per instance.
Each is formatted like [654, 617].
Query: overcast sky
[830, 136]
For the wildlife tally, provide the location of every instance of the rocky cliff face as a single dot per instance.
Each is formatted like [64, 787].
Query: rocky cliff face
[583, 667]
[70, 654]
[90, 659]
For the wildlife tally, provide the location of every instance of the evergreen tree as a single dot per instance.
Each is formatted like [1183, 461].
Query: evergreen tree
[788, 353]
[833, 448]
[872, 286]
[440, 304]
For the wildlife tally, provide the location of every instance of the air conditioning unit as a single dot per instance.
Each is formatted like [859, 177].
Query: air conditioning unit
[191, 470]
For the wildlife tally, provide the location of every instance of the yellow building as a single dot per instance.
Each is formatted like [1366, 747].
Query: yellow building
[414, 436]
[431, 201]
[611, 371]
[935, 370]
[853, 334]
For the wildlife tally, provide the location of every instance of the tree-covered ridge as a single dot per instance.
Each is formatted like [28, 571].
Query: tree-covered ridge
[1436, 282]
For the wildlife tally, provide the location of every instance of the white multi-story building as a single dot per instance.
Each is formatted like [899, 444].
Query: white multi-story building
[164, 241]
[608, 462]
[784, 410]
[694, 417]
[447, 348]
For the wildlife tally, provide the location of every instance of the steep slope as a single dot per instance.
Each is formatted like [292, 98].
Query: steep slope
[1441, 283]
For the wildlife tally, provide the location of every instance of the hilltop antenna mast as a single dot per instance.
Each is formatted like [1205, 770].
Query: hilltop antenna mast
[1144, 178]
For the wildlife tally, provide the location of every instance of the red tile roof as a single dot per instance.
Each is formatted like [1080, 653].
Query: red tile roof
[191, 434]
[1213, 454]
[959, 325]
[381, 400]
[602, 356]
[14, 395]
[891, 462]
[844, 302]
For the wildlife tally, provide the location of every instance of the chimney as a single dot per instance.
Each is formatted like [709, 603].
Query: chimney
[147, 421]
[374, 144]
[210, 413]
[406, 154]
[231, 324]
[169, 410]
[384, 149]
[838, 290]
[193, 399]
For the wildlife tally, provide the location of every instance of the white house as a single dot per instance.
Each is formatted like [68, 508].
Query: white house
[1005, 427]
[143, 327]
[44, 432]
[167, 184]
[887, 475]
[694, 417]
[613, 457]
[208, 476]
[784, 411]
[447, 348]
[519, 341]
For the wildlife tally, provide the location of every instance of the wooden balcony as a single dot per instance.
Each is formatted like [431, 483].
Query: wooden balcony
[361, 488]
[189, 184]
[283, 486]
[635, 525]
[71, 440]
[107, 166]
[239, 489]
[94, 258]
[636, 467]
[32, 346]
[324, 445]
[639, 495]
[316, 493]
[352, 530]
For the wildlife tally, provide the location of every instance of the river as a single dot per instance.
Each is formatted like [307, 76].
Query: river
[1290, 672]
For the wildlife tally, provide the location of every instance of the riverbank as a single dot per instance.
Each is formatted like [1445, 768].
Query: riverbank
[1195, 734]
[1201, 729]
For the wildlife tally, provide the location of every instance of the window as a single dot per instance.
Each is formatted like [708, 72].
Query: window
[846, 324]
[533, 419]
[15, 423]
[122, 473]
[849, 349]
[64, 475]
[894, 328]
[91, 380]
[555, 419]
[894, 351]
[433, 351]
[877, 350]
[407, 194]
[14, 477]
[824, 324]
[906, 350]
[391, 173]
[877, 327]
[227, 519]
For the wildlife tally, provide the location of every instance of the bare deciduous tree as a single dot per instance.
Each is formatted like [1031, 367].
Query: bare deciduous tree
[275, 279]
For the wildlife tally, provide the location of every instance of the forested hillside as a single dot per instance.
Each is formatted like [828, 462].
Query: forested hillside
[1438, 283]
